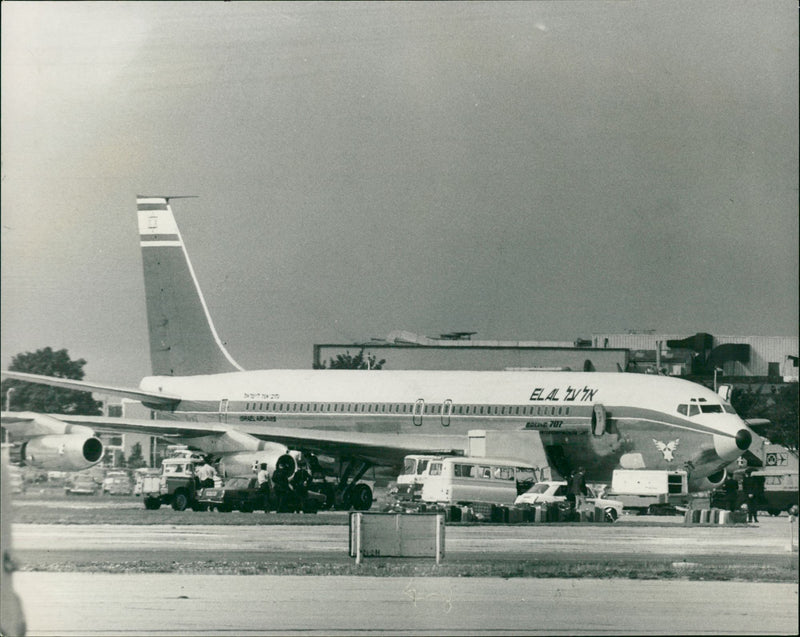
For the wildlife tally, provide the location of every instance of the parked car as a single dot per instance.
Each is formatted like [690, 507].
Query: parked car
[117, 483]
[240, 494]
[556, 491]
[83, 484]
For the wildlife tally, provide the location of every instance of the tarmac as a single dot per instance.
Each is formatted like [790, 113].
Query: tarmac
[175, 603]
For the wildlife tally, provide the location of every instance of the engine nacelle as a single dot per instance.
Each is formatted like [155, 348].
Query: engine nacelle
[708, 482]
[246, 463]
[64, 452]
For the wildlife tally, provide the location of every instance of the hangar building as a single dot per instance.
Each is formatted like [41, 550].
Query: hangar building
[772, 358]
[459, 350]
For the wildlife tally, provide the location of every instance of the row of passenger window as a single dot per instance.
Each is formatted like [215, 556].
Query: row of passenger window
[411, 408]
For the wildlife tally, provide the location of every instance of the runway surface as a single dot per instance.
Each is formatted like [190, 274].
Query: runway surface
[169, 604]
[667, 540]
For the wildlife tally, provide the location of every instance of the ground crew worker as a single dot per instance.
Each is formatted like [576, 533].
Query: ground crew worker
[731, 488]
[263, 484]
[280, 484]
[299, 483]
[204, 475]
[578, 488]
[751, 486]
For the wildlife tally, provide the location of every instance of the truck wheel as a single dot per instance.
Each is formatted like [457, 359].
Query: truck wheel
[152, 504]
[362, 497]
[180, 501]
[610, 515]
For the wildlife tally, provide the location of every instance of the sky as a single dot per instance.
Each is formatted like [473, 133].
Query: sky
[523, 170]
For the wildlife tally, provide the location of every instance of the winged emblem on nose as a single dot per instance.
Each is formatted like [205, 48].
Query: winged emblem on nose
[667, 448]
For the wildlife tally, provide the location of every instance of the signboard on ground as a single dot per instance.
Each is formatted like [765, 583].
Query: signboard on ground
[396, 535]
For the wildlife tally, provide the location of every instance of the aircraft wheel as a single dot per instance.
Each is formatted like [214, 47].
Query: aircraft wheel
[361, 497]
[180, 501]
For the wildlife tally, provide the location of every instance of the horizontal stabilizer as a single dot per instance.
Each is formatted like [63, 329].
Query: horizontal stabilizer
[79, 385]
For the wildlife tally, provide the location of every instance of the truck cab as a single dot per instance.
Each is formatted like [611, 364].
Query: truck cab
[176, 486]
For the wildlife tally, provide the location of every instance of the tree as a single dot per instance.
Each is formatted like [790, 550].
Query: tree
[779, 406]
[136, 459]
[43, 398]
[348, 361]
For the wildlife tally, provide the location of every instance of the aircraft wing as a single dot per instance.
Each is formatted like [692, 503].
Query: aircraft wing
[79, 385]
[378, 448]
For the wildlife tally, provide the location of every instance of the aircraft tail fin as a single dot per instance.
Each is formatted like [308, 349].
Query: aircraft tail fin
[183, 340]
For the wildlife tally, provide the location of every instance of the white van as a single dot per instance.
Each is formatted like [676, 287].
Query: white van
[465, 480]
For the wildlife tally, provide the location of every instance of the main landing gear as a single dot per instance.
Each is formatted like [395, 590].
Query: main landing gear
[350, 492]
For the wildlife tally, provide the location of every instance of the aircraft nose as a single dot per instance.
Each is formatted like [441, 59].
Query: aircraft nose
[743, 439]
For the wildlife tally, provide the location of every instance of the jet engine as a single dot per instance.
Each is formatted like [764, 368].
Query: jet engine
[245, 463]
[708, 482]
[62, 452]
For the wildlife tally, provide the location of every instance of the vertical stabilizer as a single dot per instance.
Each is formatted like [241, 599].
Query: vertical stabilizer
[183, 341]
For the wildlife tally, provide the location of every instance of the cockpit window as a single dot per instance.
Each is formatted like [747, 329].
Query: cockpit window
[694, 408]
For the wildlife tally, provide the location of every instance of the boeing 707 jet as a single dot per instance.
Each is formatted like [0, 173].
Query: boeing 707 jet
[201, 397]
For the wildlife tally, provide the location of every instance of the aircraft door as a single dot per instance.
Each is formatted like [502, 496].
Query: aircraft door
[223, 410]
[598, 420]
[447, 409]
[419, 409]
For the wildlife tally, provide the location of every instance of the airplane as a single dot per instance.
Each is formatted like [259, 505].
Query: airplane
[201, 397]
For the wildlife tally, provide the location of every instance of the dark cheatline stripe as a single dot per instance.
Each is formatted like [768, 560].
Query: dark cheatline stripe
[151, 206]
[159, 237]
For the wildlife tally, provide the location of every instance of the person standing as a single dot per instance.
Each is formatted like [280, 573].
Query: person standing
[263, 483]
[204, 475]
[280, 485]
[577, 488]
[750, 486]
[731, 488]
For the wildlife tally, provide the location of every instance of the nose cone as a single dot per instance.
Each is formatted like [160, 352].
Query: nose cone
[744, 439]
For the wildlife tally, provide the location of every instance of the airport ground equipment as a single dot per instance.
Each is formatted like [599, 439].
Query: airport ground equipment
[780, 490]
[397, 535]
[778, 493]
[651, 492]
[176, 486]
